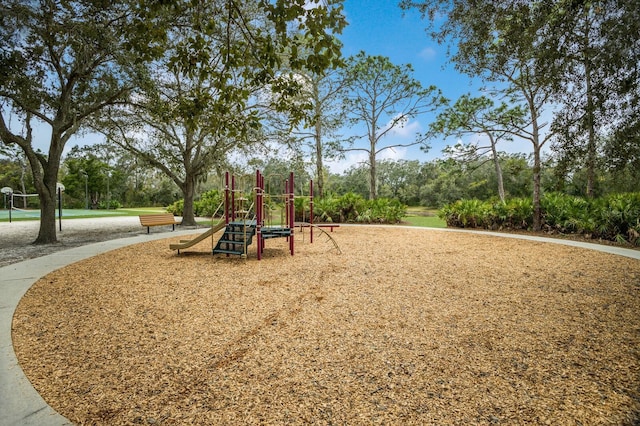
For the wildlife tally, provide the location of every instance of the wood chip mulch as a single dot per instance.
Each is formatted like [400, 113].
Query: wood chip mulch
[403, 327]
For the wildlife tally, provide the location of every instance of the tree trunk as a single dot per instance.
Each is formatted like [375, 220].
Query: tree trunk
[496, 163]
[537, 210]
[591, 143]
[372, 175]
[500, 180]
[319, 163]
[537, 163]
[47, 232]
[188, 191]
[45, 178]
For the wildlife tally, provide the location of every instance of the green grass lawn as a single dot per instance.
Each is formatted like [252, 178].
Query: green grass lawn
[416, 216]
[137, 211]
[421, 216]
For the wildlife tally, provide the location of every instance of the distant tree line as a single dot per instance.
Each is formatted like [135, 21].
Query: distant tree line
[93, 175]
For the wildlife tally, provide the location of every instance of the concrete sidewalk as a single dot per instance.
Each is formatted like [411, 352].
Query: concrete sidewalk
[21, 405]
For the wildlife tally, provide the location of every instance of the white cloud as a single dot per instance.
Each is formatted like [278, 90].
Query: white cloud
[396, 153]
[408, 130]
[351, 159]
[403, 128]
[428, 53]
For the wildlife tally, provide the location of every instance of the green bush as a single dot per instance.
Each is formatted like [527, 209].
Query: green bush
[111, 205]
[615, 217]
[466, 213]
[301, 209]
[325, 210]
[176, 208]
[382, 210]
[354, 208]
[565, 213]
[349, 207]
[517, 213]
[618, 218]
[208, 204]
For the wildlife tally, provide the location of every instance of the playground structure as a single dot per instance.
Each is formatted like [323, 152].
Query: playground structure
[242, 222]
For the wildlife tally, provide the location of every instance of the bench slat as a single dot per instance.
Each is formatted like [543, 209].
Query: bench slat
[159, 219]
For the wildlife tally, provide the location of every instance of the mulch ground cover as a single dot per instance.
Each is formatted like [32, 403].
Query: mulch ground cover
[402, 327]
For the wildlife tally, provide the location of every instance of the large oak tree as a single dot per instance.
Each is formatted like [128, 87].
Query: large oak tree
[61, 63]
[226, 67]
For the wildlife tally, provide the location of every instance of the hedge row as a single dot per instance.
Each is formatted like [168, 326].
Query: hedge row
[204, 207]
[345, 209]
[353, 208]
[615, 217]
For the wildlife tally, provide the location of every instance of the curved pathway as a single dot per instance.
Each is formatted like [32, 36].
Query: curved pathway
[20, 404]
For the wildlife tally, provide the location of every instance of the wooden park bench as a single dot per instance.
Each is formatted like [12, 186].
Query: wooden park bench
[159, 219]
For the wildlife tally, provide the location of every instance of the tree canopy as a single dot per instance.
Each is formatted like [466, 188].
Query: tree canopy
[64, 62]
[544, 54]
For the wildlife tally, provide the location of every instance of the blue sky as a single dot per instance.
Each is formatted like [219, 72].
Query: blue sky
[382, 28]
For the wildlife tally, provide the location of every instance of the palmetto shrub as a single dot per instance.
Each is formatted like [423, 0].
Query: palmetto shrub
[615, 217]
[618, 218]
[350, 206]
[566, 213]
[514, 213]
[301, 209]
[382, 210]
[325, 209]
[466, 213]
[354, 208]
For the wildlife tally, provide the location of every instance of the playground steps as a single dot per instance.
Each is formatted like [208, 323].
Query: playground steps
[237, 236]
[274, 232]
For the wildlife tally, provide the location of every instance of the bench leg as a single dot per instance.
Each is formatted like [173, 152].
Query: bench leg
[148, 229]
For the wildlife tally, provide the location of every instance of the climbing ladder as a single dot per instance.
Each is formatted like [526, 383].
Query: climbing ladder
[237, 238]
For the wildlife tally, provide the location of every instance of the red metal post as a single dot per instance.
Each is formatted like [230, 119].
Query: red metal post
[286, 200]
[226, 198]
[291, 211]
[258, 215]
[262, 213]
[311, 211]
[233, 198]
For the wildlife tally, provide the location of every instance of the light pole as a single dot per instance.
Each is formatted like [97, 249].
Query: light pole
[86, 189]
